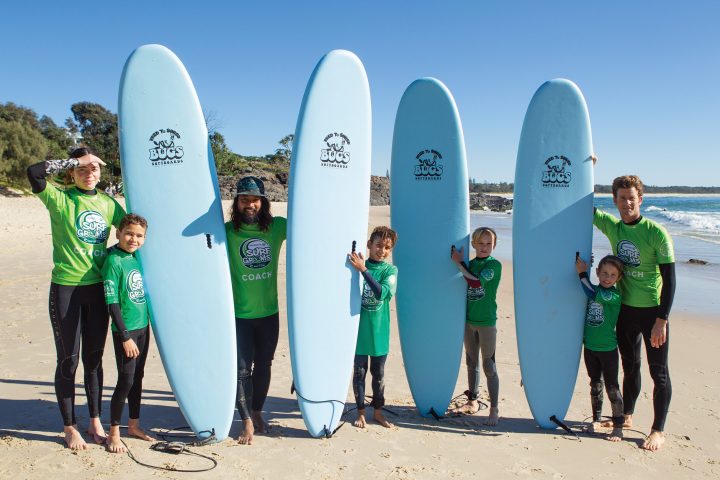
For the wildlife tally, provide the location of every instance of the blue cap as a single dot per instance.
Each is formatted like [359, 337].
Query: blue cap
[250, 186]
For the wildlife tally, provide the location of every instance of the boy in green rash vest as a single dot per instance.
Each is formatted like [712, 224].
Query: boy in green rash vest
[647, 289]
[600, 340]
[483, 277]
[125, 297]
[254, 238]
[380, 282]
[80, 219]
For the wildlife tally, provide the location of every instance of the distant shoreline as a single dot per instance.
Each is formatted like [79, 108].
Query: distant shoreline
[713, 195]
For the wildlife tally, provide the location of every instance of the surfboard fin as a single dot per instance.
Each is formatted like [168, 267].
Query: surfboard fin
[560, 424]
[435, 415]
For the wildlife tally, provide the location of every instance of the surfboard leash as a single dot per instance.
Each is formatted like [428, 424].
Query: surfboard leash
[176, 448]
[481, 405]
[328, 433]
[212, 438]
[584, 430]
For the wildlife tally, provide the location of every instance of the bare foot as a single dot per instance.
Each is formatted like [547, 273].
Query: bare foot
[616, 435]
[627, 423]
[96, 430]
[360, 422]
[654, 441]
[113, 444]
[261, 426]
[73, 439]
[246, 437]
[134, 430]
[470, 408]
[493, 418]
[380, 418]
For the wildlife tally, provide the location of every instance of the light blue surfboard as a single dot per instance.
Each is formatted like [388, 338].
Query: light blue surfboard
[329, 194]
[169, 178]
[429, 207]
[552, 219]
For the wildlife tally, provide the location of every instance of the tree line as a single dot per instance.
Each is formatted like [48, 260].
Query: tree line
[26, 138]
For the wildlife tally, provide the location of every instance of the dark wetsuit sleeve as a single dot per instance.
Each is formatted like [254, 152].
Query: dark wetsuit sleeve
[116, 315]
[667, 294]
[39, 171]
[588, 287]
[372, 283]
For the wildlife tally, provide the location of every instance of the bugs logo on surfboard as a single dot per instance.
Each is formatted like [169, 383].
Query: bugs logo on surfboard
[336, 155]
[91, 228]
[255, 253]
[164, 150]
[558, 172]
[134, 284]
[429, 166]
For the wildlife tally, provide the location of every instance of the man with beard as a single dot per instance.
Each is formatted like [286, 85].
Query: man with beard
[254, 239]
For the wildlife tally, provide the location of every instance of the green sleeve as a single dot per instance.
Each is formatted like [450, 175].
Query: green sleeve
[51, 197]
[604, 221]
[492, 284]
[112, 277]
[118, 213]
[663, 246]
[281, 226]
[389, 284]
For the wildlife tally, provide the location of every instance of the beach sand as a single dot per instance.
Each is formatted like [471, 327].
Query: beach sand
[31, 444]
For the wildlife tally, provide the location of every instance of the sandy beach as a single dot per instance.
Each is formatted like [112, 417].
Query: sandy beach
[31, 444]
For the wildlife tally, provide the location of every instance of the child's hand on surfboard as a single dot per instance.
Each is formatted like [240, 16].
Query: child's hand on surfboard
[456, 255]
[356, 260]
[580, 264]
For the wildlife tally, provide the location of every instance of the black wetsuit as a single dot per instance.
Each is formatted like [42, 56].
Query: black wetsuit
[79, 322]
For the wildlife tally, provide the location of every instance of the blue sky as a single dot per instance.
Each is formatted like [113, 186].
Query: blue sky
[650, 70]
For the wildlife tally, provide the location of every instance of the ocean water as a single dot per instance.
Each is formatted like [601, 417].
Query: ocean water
[692, 221]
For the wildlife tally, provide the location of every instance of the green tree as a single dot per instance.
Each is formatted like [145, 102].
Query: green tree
[15, 113]
[224, 159]
[286, 147]
[20, 146]
[59, 140]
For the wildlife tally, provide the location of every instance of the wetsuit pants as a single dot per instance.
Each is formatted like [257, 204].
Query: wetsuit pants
[604, 366]
[377, 372]
[480, 341]
[78, 313]
[130, 375]
[256, 339]
[634, 326]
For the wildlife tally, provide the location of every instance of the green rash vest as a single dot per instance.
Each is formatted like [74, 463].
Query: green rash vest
[80, 225]
[374, 329]
[254, 258]
[642, 247]
[124, 285]
[601, 319]
[481, 301]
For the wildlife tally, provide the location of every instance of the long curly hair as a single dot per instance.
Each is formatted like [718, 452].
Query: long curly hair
[265, 218]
